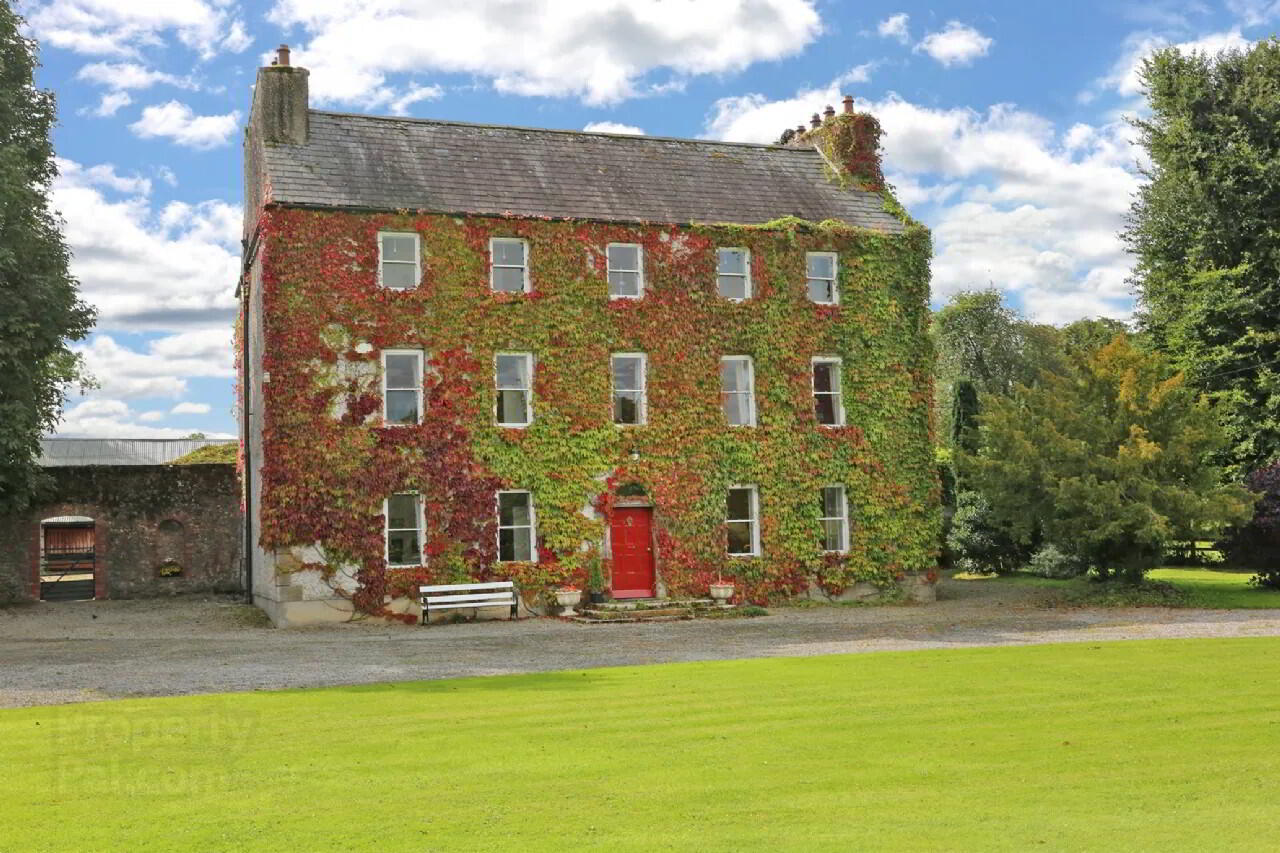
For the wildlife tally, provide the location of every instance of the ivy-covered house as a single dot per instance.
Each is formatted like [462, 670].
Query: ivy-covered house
[474, 352]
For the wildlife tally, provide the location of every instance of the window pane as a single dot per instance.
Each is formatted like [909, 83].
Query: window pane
[732, 286]
[824, 376]
[513, 544]
[403, 548]
[398, 247]
[831, 504]
[513, 407]
[825, 409]
[513, 371]
[508, 252]
[740, 537]
[513, 508]
[833, 535]
[402, 371]
[402, 511]
[739, 504]
[626, 373]
[402, 407]
[821, 266]
[737, 409]
[624, 258]
[398, 276]
[820, 290]
[626, 407]
[508, 279]
[733, 375]
[624, 284]
[731, 261]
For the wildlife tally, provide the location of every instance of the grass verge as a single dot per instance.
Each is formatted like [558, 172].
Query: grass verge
[1115, 746]
[1172, 586]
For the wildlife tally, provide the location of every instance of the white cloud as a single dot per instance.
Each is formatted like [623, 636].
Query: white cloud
[162, 370]
[895, 27]
[1123, 78]
[1254, 12]
[237, 38]
[176, 121]
[955, 44]
[128, 75]
[145, 268]
[414, 94]
[110, 104]
[613, 127]
[189, 408]
[115, 28]
[1012, 201]
[109, 418]
[598, 52]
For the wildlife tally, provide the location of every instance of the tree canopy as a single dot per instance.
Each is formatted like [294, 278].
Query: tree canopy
[1203, 231]
[40, 309]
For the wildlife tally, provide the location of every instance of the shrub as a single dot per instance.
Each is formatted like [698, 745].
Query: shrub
[1052, 562]
[1266, 579]
[977, 545]
[1256, 544]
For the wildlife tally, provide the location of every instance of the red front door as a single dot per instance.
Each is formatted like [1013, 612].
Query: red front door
[632, 544]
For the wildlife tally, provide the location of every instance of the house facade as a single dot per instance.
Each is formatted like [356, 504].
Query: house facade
[473, 352]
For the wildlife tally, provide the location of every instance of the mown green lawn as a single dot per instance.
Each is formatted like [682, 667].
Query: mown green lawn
[1166, 745]
[1225, 589]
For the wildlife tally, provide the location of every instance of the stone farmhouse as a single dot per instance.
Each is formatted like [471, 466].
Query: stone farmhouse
[477, 352]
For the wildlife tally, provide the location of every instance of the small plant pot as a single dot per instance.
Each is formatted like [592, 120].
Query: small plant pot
[596, 597]
[721, 592]
[568, 599]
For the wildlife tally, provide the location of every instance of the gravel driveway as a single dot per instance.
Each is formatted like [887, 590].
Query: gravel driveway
[83, 651]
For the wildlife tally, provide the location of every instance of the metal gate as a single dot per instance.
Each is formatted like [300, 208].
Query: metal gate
[67, 564]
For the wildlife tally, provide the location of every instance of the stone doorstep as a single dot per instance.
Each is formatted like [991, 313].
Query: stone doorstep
[682, 616]
[656, 612]
[628, 604]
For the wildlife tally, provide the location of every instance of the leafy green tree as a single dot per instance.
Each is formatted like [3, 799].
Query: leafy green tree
[1203, 231]
[1104, 461]
[40, 309]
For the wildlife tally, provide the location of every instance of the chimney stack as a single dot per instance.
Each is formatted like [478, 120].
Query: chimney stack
[280, 102]
[816, 121]
[829, 111]
[848, 103]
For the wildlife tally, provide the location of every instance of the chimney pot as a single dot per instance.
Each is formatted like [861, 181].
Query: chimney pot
[829, 111]
[799, 128]
[848, 103]
[282, 55]
[816, 121]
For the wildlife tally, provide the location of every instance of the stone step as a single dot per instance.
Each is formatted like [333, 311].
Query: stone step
[650, 613]
[626, 618]
[642, 604]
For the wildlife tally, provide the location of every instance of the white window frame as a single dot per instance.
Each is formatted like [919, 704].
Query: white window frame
[417, 258]
[843, 518]
[422, 531]
[533, 524]
[747, 288]
[838, 393]
[524, 267]
[528, 392]
[834, 280]
[422, 362]
[750, 392]
[754, 520]
[643, 407]
[639, 270]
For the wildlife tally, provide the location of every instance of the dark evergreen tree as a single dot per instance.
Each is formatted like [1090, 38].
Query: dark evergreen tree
[1203, 230]
[40, 308]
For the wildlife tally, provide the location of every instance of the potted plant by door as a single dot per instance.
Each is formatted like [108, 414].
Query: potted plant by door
[568, 597]
[595, 582]
[721, 590]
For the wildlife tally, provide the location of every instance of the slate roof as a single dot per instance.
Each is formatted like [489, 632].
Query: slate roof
[57, 452]
[370, 162]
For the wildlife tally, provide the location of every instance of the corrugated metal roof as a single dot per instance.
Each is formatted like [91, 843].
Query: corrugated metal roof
[56, 452]
[380, 163]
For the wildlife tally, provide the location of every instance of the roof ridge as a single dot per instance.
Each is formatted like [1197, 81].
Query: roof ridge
[455, 123]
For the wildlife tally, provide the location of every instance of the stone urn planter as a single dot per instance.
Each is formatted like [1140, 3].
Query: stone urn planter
[721, 592]
[568, 598]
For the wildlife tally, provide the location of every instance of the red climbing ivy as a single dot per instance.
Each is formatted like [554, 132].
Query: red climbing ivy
[329, 463]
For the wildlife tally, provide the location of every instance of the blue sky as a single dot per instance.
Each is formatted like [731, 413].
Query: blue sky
[1004, 121]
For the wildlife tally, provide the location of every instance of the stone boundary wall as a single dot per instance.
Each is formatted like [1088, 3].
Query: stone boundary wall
[158, 530]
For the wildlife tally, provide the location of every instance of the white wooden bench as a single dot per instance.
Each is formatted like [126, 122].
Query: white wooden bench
[456, 596]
